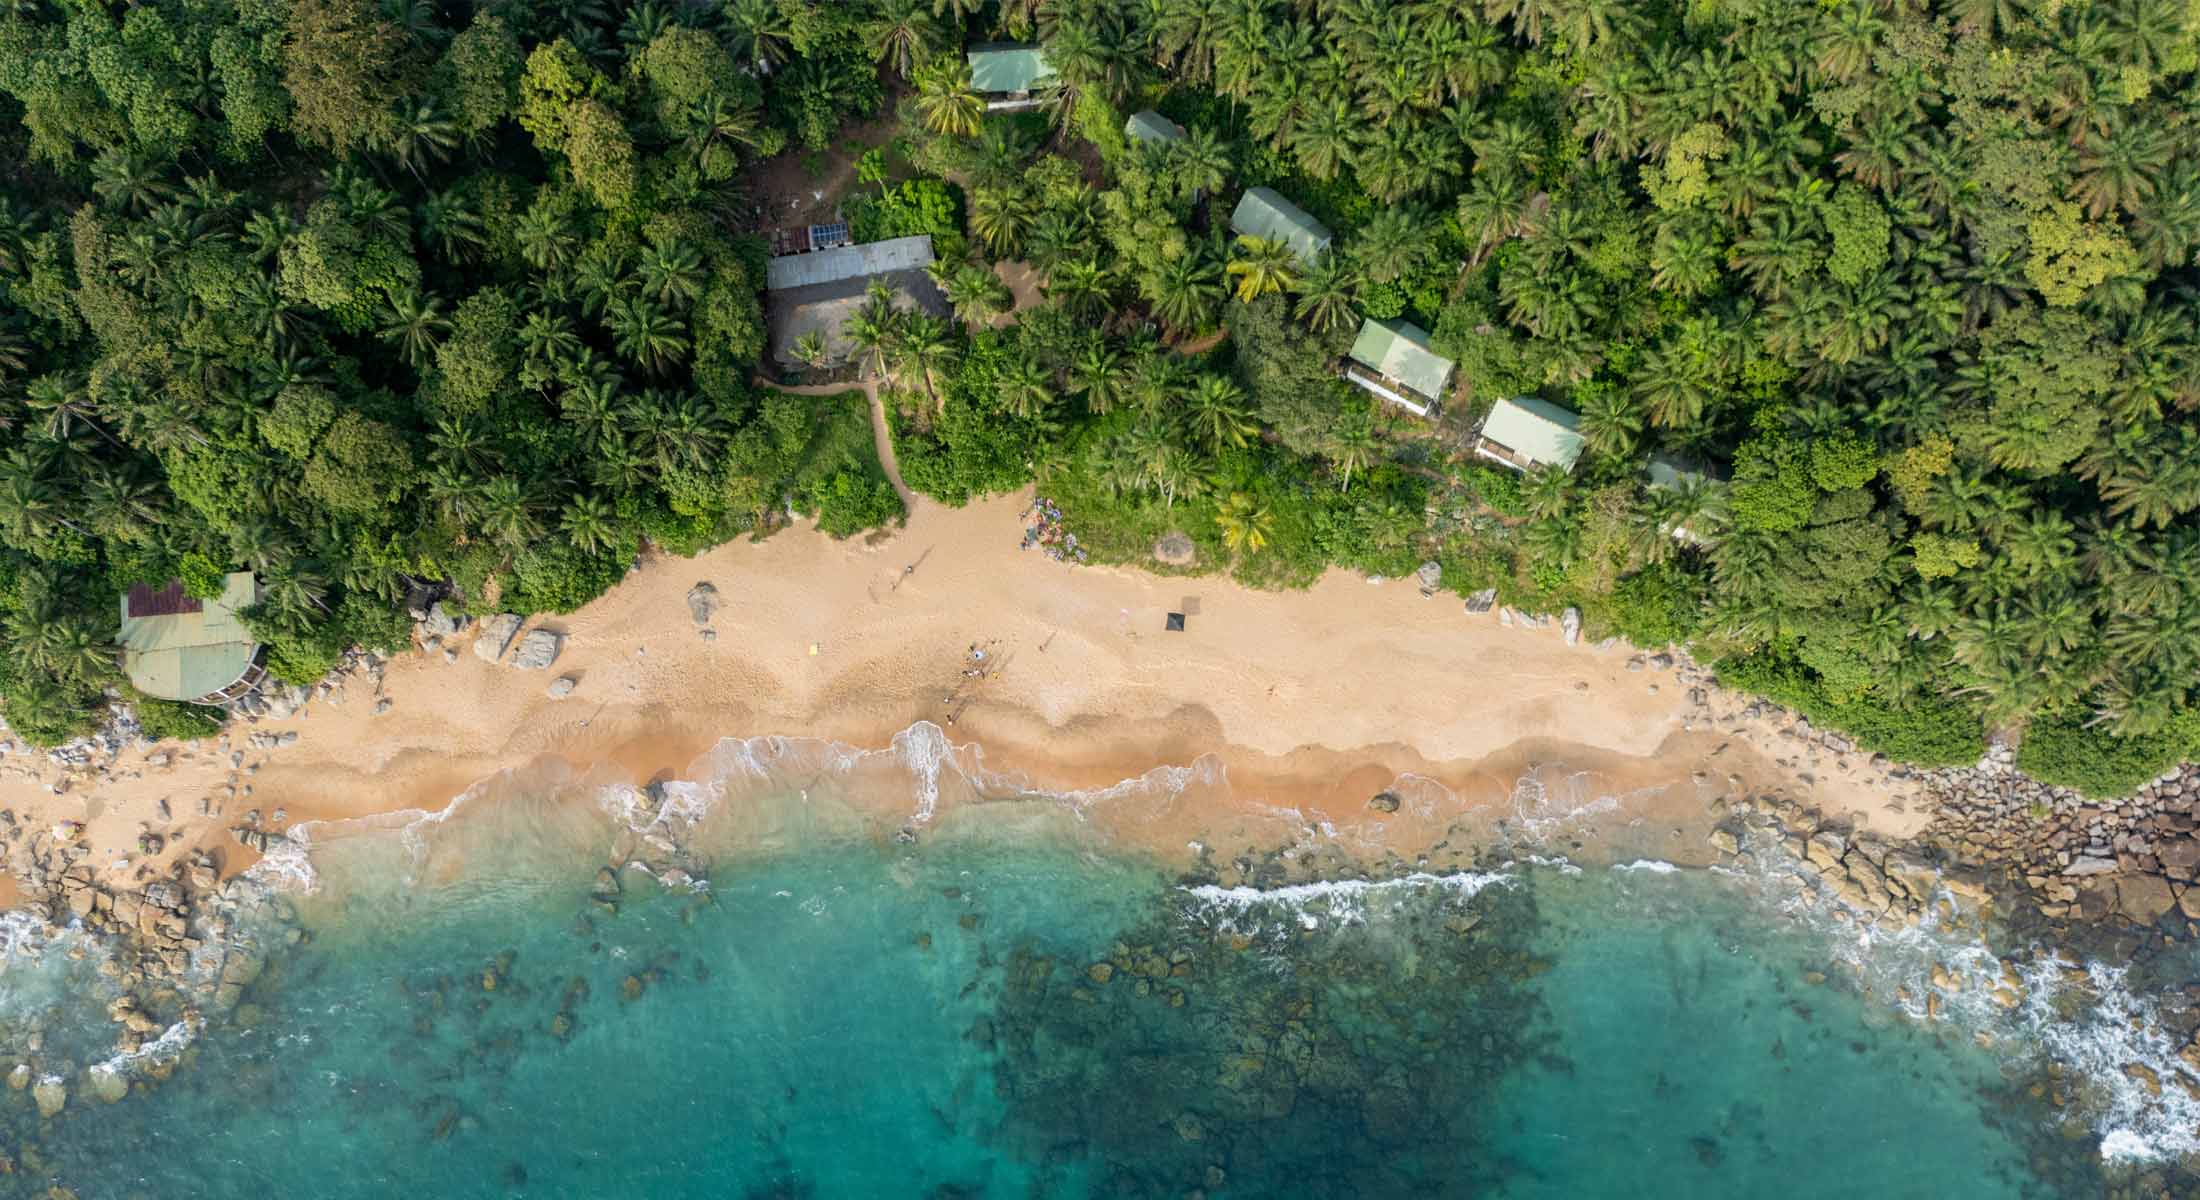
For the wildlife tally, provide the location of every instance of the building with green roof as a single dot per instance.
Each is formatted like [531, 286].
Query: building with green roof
[1007, 74]
[1150, 126]
[1392, 359]
[1527, 432]
[176, 646]
[1264, 213]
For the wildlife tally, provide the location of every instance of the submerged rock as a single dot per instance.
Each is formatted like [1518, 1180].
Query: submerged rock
[51, 1094]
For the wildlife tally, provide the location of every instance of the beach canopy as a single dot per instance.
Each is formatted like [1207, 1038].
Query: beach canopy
[1264, 213]
[1399, 350]
[1150, 126]
[178, 647]
[1536, 430]
[1007, 69]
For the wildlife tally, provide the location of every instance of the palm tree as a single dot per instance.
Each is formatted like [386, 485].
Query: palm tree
[810, 349]
[1325, 295]
[589, 523]
[977, 294]
[1201, 162]
[1610, 421]
[1185, 291]
[1546, 490]
[1327, 137]
[1245, 523]
[546, 237]
[1216, 412]
[671, 271]
[1023, 388]
[902, 33]
[1083, 288]
[1097, 375]
[758, 30]
[1394, 242]
[644, 332]
[449, 223]
[998, 216]
[1352, 447]
[416, 324]
[946, 101]
[422, 133]
[508, 513]
[923, 347]
[873, 328]
[1262, 265]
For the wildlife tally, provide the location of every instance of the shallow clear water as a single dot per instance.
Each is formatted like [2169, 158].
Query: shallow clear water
[1013, 1013]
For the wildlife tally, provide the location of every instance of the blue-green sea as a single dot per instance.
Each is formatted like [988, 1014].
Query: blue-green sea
[1004, 1006]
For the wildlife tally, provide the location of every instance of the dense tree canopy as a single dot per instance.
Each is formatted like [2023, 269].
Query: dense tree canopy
[356, 295]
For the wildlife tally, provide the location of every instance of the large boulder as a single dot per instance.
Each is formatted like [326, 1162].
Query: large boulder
[2180, 857]
[538, 649]
[441, 622]
[1824, 849]
[2144, 898]
[496, 636]
[51, 1095]
[109, 1084]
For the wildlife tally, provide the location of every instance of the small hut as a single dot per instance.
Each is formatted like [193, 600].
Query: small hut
[176, 646]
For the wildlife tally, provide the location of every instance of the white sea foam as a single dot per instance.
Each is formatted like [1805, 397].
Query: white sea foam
[1343, 901]
[1646, 866]
[288, 865]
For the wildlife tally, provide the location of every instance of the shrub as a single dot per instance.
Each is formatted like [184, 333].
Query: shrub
[848, 502]
[169, 719]
[910, 207]
[1921, 731]
[2061, 750]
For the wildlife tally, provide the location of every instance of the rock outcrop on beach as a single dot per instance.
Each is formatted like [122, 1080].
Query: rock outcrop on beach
[538, 650]
[496, 636]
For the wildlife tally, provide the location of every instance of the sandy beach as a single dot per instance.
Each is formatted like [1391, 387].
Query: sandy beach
[1310, 703]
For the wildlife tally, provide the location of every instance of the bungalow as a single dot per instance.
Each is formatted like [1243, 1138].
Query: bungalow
[176, 646]
[1392, 360]
[1526, 432]
[1673, 471]
[1263, 213]
[1008, 75]
[818, 292]
[1150, 126]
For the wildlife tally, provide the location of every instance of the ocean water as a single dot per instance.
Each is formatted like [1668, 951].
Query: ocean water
[1004, 1006]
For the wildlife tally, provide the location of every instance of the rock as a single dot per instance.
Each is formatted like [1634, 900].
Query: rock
[20, 1077]
[2144, 898]
[441, 622]
[561, 687]
[1482, 601]
[703, 602]
[2087, 864]
[1725, 843]
[1911, 874]
[1824, 849]
[630, 988]
[1384, 802]
[382, 706]
[2189, 903]
[2179, 856]
[1100, 972]
[496, 636]
[2145, 1077]
[538, 650]
[50, 1094]
[1430, 576]
[1570, 623]
[110, 1085]
[1175, 550]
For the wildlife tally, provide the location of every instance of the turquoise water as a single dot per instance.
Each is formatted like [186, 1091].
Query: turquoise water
[1005, 1010]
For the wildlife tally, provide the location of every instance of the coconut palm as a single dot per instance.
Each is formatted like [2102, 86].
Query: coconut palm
[902, 33]
[1325, 295]
[1245, 523]
[415, 324]
[1217, 415]
[810, 349]
[1352, 446]
[1186, 292]
[1024, 389]
[946, 102]
[1262, 265]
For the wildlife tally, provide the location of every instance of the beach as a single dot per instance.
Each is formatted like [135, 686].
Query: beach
[1060, 677]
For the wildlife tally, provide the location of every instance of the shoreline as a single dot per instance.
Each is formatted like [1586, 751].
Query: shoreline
[1310, 701]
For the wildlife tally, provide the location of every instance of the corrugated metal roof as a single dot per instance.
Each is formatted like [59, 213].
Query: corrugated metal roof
[1007, 68]
[1668, 469]
[848, 262]
[1536, 430]
[186, 655]
[1264, 213]
[1150, 126]
[1399, 349]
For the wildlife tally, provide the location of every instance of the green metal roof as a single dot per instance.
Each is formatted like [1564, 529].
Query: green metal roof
[186, 655]
[1150, 126]
[1668, 469]
[1399, 349]
[1263, 213]
[1007, 68]
[1538, 431]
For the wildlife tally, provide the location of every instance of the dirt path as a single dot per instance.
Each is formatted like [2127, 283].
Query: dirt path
[881, 438]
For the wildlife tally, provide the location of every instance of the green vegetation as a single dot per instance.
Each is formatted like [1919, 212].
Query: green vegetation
[183, 722]
[357, 296]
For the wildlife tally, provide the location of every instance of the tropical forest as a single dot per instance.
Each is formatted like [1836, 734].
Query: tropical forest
[366, 295]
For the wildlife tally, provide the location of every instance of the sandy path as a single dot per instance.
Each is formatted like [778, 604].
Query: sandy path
[1312, 700]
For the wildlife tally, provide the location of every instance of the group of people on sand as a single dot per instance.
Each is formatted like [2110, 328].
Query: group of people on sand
[1043, 528]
